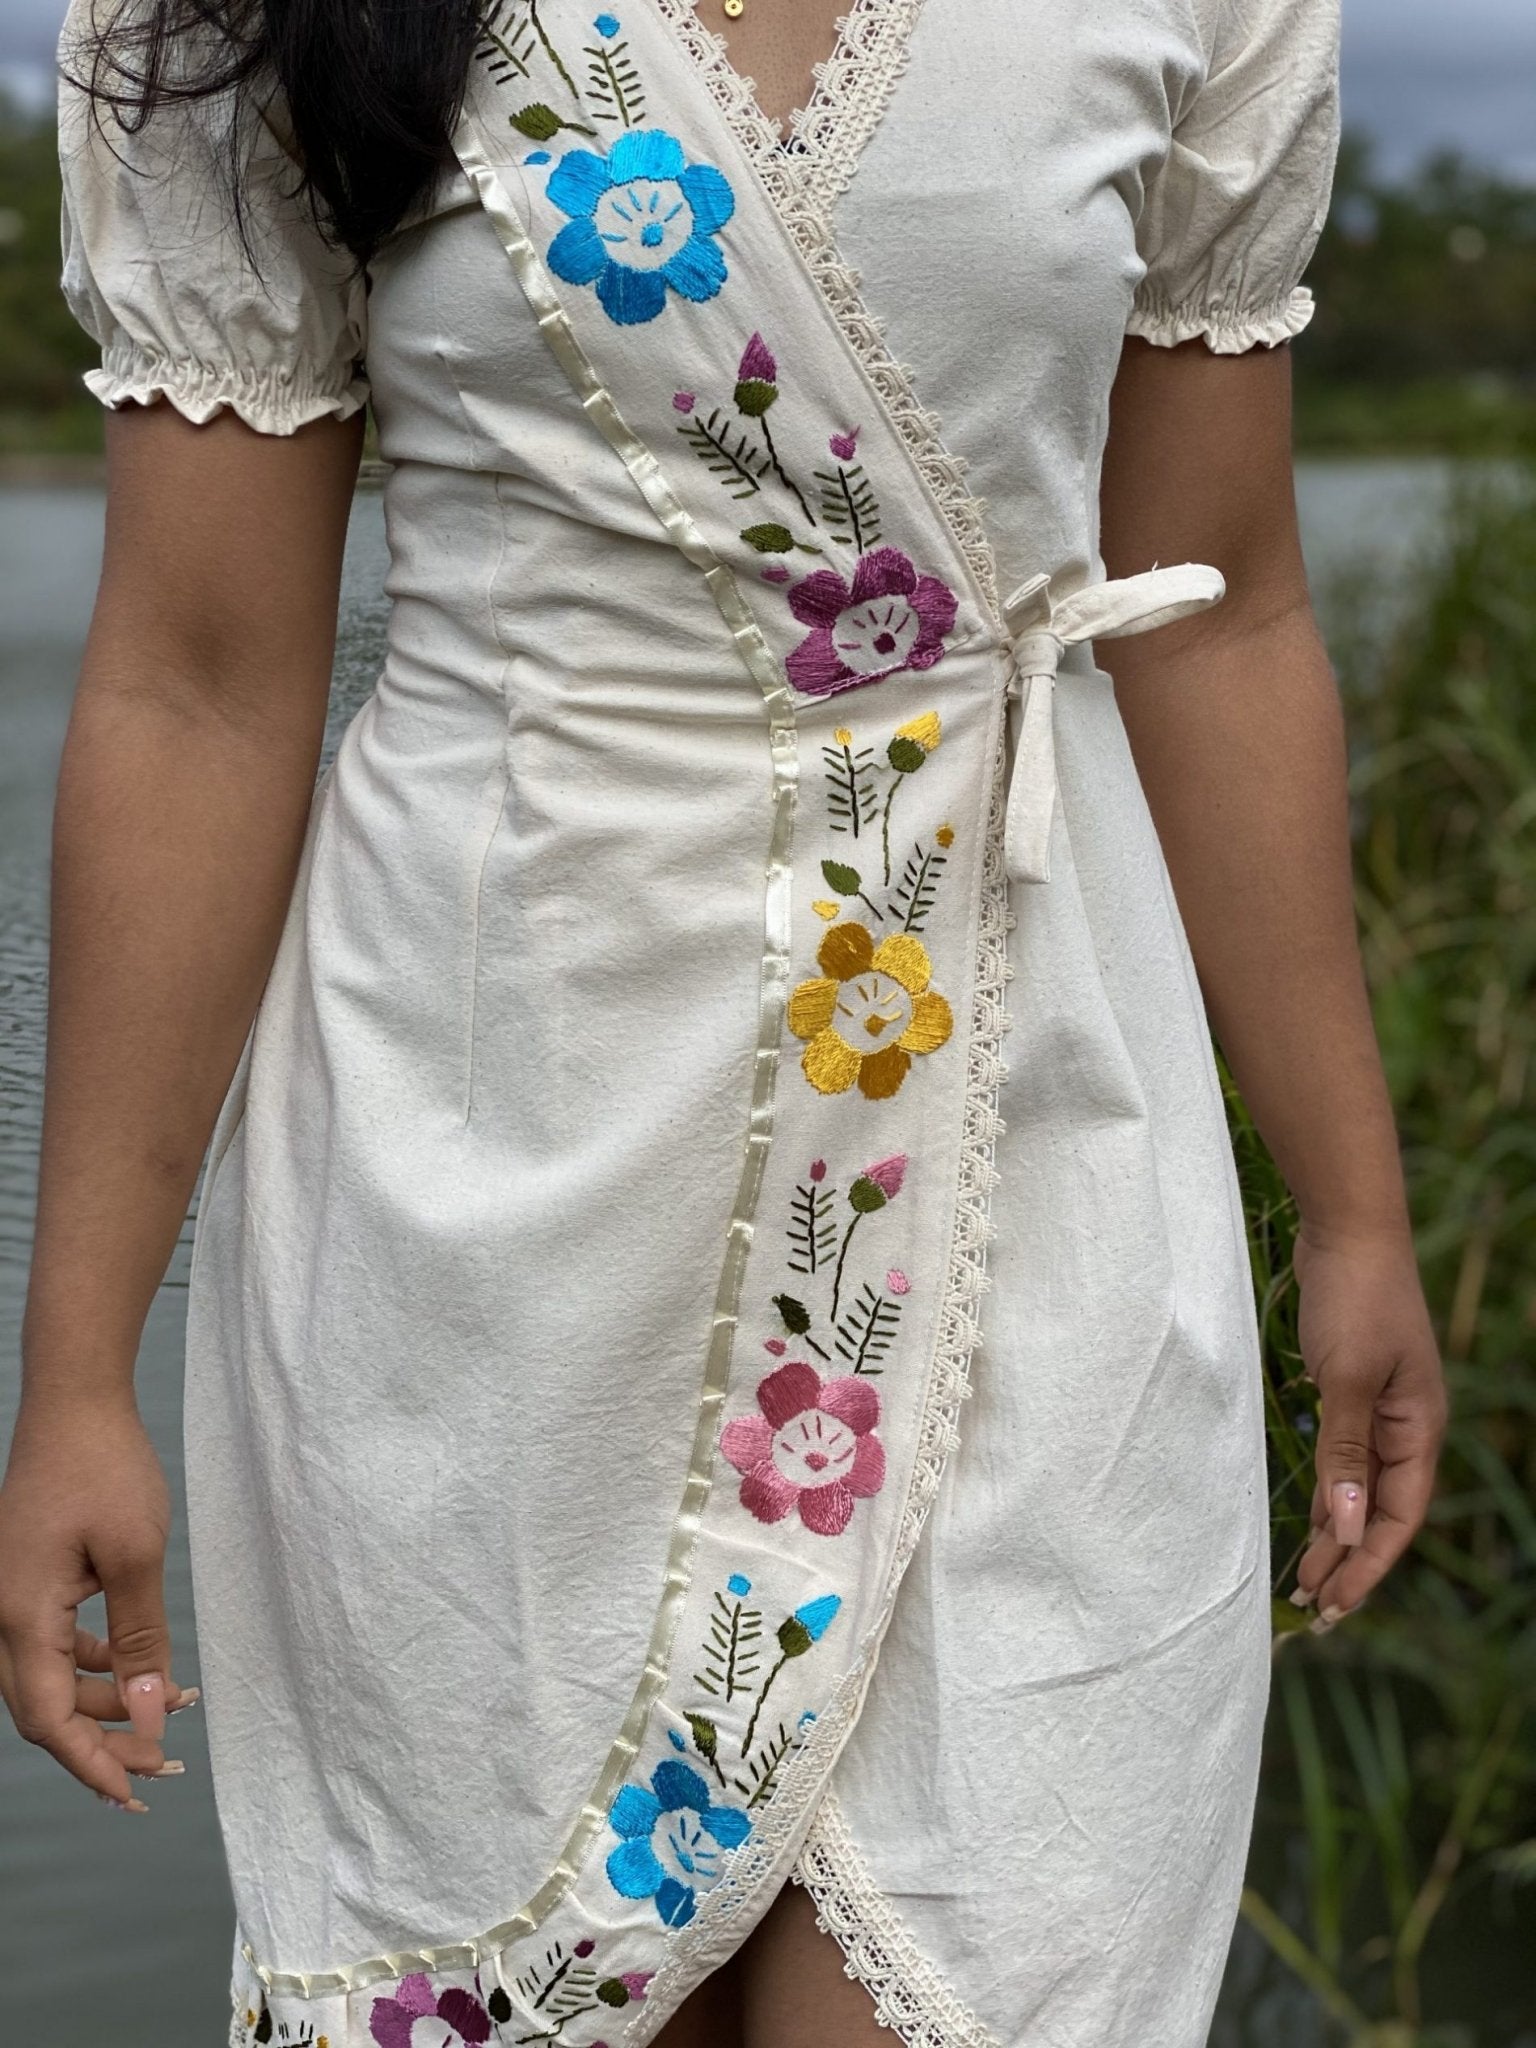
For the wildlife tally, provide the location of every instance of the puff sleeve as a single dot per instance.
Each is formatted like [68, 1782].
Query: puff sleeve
[155, 269]
[1233, 212]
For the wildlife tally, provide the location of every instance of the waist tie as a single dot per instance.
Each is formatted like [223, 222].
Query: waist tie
[1042, 629]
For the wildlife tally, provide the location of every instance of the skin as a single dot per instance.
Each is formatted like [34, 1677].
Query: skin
[183, 797]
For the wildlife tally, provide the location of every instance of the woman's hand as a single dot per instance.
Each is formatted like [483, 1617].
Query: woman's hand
[84, 1510]
[1367, 1343]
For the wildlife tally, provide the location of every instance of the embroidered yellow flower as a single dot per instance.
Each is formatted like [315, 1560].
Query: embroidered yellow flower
[868, 1013]
[825, 907]
[945, 835]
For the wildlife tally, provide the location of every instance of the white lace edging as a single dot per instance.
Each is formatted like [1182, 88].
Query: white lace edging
[853, 87]
[1226, 330]
[910, 1997]
[269, 401]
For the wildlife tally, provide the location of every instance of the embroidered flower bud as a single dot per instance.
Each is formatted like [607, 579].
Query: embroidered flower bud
[636, 1982]
[607, 24]
[897, 1281]
[945, 835]
[739, 1584]
[845, 446]
[843, 736]
[818, 1169]
[613, 1991]
[808, 1624]
[776, 1345]
[777, 574]
[683, 401]
[913, 743]
[499, 2006]
[757, 384]
[797, 1317]
[768, 538]
[584, 1948]
[537, 121]
[888, 1174]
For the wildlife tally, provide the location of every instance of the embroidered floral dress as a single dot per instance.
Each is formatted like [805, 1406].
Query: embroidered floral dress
[630, 1169]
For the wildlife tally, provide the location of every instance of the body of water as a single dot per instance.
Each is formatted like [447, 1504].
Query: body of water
[120, 1928]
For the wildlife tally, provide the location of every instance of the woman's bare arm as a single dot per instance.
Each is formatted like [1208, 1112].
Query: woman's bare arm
[1235, 723]
[183, 794]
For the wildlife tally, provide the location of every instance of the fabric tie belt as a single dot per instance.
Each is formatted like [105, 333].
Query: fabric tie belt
[1041, 629]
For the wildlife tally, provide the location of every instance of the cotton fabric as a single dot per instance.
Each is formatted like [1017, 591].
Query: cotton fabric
[457, 1235]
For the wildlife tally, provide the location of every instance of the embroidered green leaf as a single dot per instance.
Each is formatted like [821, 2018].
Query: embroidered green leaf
[725, 452]
[507, 41]
[812, 1228]
[865, 1335]
[768, 538]
[849, 506]
[706, 1736]
[916, 892]
[797, 1317]
[499, 2006]
[538, 122]
[613, 85]
[730, 1655]
[852, 798]
[844, 879]
[757, 1782]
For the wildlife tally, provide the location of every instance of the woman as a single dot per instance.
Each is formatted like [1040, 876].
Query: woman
[590, 1258]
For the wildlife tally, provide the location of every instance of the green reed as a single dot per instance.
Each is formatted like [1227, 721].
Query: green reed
[1392, 1890]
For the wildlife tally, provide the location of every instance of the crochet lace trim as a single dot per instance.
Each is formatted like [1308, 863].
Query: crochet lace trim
[805, 175]
[909, 1994]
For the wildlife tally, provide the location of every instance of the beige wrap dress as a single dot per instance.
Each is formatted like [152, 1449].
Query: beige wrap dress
[732, 1008]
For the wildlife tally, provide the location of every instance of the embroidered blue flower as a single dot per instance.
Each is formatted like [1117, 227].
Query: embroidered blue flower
[739, 1584]
[607, 24]
[673, 1840]
[642, 218]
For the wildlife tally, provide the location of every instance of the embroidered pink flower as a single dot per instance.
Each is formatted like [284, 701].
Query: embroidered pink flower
[777, 574]
[393, 2021]
[813, 1447]
[818, 1169]
[757, 362]
[845, 446]
[889, 618]
[776, 1345]
[684, 401]
[897, 1281]
[636, 1982]
[888, 1174]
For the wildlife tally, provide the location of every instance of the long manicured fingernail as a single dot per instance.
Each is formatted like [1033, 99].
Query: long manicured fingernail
[1326, 1619]
[171, 1768]
[1302, 1598]
[1317, 1535]
[1348, 1512]
[190, 1695]
[146, 1704]
[122, 1805]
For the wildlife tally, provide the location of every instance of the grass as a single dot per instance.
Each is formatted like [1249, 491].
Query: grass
[1394, 1864]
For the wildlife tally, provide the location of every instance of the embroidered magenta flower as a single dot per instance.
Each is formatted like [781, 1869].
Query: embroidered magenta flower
[897, 1281]
[684, 401]
[636, 1982]
[818, 1169]
[584, 1948]
[776, 1345]
[889, 618]
[392, 2022]
[777, 574]
[845, 446]
[813, 1447]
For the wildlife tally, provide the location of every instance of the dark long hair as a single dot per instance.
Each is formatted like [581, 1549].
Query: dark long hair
[373, 87]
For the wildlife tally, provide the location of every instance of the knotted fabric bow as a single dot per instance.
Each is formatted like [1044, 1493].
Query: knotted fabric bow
[1042, 629]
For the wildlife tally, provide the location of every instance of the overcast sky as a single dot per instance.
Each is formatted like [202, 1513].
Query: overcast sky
[1418, 74]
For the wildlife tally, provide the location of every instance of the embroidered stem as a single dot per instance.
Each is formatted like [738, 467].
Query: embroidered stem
[746, 1740]
[500, 43]
[550, 51]
[786, 479]
[885, 825]
[837, 1277]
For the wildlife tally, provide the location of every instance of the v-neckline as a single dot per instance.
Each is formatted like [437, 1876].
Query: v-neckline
[850, 88]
